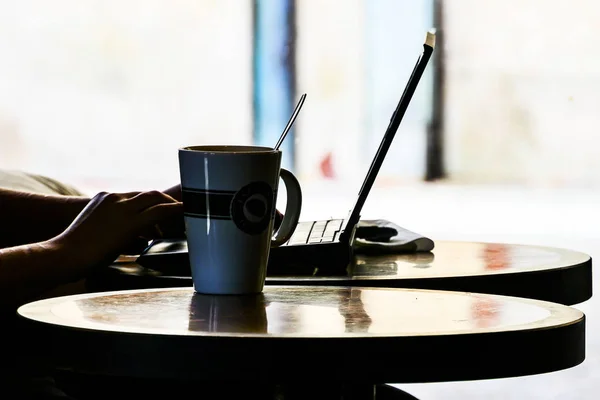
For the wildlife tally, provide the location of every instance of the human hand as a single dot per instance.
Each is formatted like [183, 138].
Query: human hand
[110, 222]
[174, 192]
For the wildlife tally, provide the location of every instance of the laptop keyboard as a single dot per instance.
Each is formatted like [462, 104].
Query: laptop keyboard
[311, 232]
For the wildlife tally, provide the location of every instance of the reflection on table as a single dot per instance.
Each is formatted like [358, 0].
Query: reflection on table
[295, 311]
[179, 334]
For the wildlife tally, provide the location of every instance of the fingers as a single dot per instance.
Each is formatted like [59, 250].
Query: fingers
[160, 212]
[139, 200]
[144, 200]
[115, 196]
[128, 195]
[136, 246]
[173, 227]
[174, 192]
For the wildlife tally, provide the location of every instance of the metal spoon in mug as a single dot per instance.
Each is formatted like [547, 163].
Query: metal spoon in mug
[291, 121]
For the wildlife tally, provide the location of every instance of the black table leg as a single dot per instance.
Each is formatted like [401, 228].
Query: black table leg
[94, 388]
[386, 392]
[339, 392]
[324, 392]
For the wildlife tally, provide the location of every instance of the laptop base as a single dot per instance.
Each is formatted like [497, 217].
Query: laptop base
[170, 257]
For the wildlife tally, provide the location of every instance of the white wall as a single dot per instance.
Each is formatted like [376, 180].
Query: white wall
[394, 40]
[354, 62]
[523, 91]
[103, 91]
[329, 62]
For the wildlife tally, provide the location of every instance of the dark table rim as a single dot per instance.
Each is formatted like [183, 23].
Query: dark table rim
[383, 359]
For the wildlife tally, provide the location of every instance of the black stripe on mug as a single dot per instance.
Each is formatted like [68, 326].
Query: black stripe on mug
[201, 203]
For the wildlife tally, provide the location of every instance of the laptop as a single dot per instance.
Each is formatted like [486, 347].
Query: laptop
[316, 247]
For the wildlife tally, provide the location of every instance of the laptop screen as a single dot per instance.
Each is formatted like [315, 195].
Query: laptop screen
[391, 131]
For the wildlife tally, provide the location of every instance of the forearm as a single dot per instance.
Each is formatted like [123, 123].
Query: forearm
[31, 218]
[28, 271]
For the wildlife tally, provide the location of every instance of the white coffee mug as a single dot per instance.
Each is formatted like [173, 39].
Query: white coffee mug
[229, 197]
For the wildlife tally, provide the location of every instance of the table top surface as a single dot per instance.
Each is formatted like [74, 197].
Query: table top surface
[544, 273]
[399, 327]
[467, 259]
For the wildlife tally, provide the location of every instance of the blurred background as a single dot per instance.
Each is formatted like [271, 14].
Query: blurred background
[500, 142]
[104, 92]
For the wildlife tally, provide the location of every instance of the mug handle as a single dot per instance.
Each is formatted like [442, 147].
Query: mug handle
[292, 209]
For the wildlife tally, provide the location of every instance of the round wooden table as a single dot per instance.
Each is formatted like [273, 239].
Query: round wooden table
[306, 341]
[543, 273]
